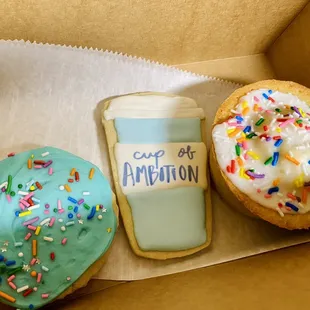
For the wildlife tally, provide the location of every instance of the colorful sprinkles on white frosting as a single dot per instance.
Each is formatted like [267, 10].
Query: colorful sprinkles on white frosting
[264, 148]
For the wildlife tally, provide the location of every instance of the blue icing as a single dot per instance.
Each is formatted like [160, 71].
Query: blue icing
[86, 242]
[146, 131]
[169, 220]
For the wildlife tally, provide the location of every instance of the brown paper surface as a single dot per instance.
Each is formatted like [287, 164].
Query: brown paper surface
[289, 55]
[245, 69]
[169, 31]
[277, 280]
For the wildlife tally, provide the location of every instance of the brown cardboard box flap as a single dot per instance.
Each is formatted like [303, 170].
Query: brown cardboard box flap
[172, 31]
[289, 55]
[276, 280]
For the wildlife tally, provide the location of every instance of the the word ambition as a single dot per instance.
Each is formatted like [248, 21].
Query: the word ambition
[155, 173]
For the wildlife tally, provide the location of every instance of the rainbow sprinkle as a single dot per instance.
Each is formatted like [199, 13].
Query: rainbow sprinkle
[38, 230]
[260, 128]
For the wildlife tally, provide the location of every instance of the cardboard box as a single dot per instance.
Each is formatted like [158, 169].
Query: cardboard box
[243, 41]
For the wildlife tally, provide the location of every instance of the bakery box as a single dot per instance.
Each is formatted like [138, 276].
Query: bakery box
[241, 41]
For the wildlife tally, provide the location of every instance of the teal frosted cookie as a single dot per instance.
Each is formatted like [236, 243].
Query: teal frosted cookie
[57, 220]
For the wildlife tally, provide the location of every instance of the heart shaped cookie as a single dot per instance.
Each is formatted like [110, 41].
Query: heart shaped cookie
[58, 218]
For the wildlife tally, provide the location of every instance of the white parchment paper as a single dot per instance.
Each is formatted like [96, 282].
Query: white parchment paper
[51, 95]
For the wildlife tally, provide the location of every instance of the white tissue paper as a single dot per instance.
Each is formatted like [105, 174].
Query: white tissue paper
[50, 95]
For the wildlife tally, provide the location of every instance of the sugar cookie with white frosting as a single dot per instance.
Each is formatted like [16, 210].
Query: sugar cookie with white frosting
[260, 156]
[159, 163]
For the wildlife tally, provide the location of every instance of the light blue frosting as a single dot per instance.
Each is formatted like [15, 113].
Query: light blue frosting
[86, 242]
[172, 219]
[160, 130]
[169, 220]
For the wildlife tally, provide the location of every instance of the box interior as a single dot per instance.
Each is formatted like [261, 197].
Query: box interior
[274, 280]
[289, 54]
[243, 41]
[171, 32]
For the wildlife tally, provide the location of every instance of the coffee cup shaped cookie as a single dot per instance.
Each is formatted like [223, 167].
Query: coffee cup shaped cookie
[159, 163]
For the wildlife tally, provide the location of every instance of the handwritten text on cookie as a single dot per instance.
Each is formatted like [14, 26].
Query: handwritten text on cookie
[161, 166]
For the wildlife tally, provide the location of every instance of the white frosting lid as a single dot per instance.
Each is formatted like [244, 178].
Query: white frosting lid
[153, 106]
[151, 102]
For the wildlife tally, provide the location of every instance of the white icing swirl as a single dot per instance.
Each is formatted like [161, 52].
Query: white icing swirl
[281, 185]
[151, 102]
[153, 106]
